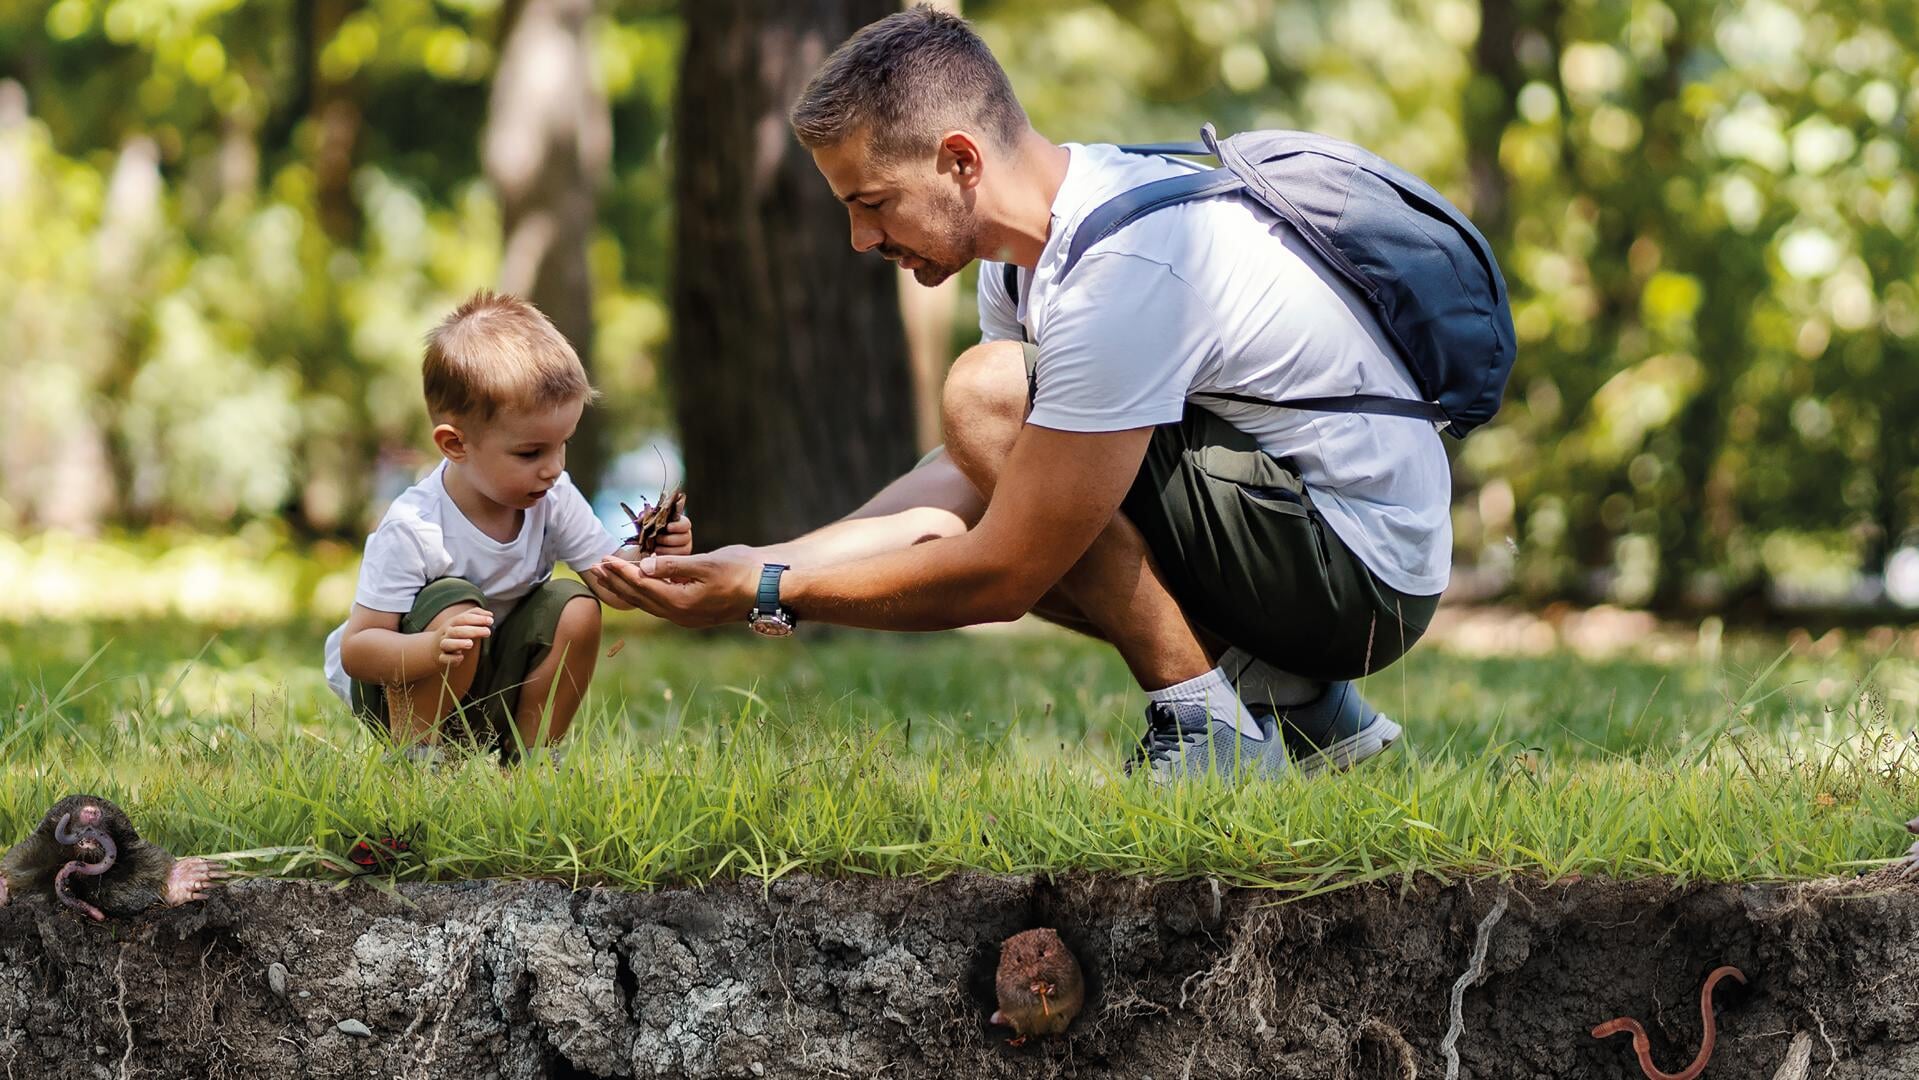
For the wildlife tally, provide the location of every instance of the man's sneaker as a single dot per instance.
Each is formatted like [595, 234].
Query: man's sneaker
[1337, 729]
[1183, 740]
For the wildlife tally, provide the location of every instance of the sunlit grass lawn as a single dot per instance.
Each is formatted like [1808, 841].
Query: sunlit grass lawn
[721, 755]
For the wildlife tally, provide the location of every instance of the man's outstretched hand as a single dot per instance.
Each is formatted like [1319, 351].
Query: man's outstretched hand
[690, 590]
[676, 539]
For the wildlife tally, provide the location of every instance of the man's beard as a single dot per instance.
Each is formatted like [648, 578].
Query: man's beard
[930, 271]
[955, 238]
[930, 275]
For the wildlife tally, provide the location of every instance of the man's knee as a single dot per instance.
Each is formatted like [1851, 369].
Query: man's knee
[987, 381]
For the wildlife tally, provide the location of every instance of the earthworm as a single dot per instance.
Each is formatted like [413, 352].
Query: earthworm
[108, 853]
[1643, 1048]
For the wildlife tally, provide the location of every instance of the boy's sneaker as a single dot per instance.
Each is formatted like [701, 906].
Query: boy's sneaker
[1338, 729]
[1184, 740]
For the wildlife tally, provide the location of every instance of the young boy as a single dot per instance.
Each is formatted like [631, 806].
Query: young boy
[456, 609]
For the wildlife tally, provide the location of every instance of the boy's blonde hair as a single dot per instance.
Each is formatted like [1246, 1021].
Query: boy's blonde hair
[497, 352]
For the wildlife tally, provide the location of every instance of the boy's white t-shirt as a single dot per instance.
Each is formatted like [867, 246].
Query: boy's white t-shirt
[1219, 295]
[425, 537]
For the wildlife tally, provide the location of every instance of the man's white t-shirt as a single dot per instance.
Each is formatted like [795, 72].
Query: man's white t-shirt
[424, 537]
[1220, 295]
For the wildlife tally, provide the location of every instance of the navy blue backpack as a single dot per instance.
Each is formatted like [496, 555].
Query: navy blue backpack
[1421, 266]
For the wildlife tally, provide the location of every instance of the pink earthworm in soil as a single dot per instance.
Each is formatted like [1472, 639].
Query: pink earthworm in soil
[1643, 1048]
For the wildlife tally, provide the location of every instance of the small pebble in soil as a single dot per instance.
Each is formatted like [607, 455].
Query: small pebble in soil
[354, 1028]
[277, 978]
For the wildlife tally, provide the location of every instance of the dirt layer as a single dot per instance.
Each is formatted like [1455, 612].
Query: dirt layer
[868, 978]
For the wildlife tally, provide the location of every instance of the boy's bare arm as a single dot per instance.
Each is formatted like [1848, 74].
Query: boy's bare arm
[373, 650]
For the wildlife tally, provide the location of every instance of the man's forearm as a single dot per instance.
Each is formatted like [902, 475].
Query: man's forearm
[854, 538]
[932, 501]
[1057, 492]
[939, 585]
[390, 658]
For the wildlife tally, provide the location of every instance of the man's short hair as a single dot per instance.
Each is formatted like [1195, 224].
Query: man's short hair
[906, 79]
[496, 352]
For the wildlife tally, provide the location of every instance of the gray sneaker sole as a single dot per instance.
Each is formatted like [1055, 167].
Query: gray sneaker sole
[1171, 770]
[1369, 741]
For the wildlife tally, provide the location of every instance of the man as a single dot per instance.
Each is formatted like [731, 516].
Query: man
[1244, 559]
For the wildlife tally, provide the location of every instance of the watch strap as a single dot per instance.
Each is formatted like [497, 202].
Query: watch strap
[768, 600]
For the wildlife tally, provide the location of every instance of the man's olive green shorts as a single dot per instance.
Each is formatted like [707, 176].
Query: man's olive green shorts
[1251, 561]
[517, 645]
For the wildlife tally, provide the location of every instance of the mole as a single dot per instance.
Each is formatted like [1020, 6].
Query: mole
[87, 857]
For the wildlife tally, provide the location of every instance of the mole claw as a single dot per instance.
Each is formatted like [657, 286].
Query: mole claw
[189, 881]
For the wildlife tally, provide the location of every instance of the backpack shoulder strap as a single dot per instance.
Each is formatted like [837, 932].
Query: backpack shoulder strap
[1374, 404]
[1116, 212]
[1164, 149]
[1009, 276]
[1128, 206]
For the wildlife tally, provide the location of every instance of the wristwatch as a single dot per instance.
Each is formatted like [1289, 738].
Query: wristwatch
[768, 616]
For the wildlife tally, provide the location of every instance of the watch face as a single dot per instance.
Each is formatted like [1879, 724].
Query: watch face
[772, 626]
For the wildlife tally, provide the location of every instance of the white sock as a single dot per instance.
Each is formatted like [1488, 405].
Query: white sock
[1261, 682]
[1215, 691]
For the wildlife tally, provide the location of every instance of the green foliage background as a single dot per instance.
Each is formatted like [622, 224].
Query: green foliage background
[1704, 211]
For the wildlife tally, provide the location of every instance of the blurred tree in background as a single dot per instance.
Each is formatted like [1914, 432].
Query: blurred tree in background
[547, 145]
[789, 357]
[225, 224]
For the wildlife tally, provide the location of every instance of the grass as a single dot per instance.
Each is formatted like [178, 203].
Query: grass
[722, 756]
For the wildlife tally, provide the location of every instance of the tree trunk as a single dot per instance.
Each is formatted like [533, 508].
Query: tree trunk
[1490, 107]
[789, 366]
[548, 142]
[928, 315]
[336, 120]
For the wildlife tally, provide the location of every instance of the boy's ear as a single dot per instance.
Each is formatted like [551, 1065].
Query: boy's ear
[450, 441]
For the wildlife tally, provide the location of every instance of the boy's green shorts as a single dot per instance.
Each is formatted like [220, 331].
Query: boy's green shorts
[1251, 561]
[517, 645]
